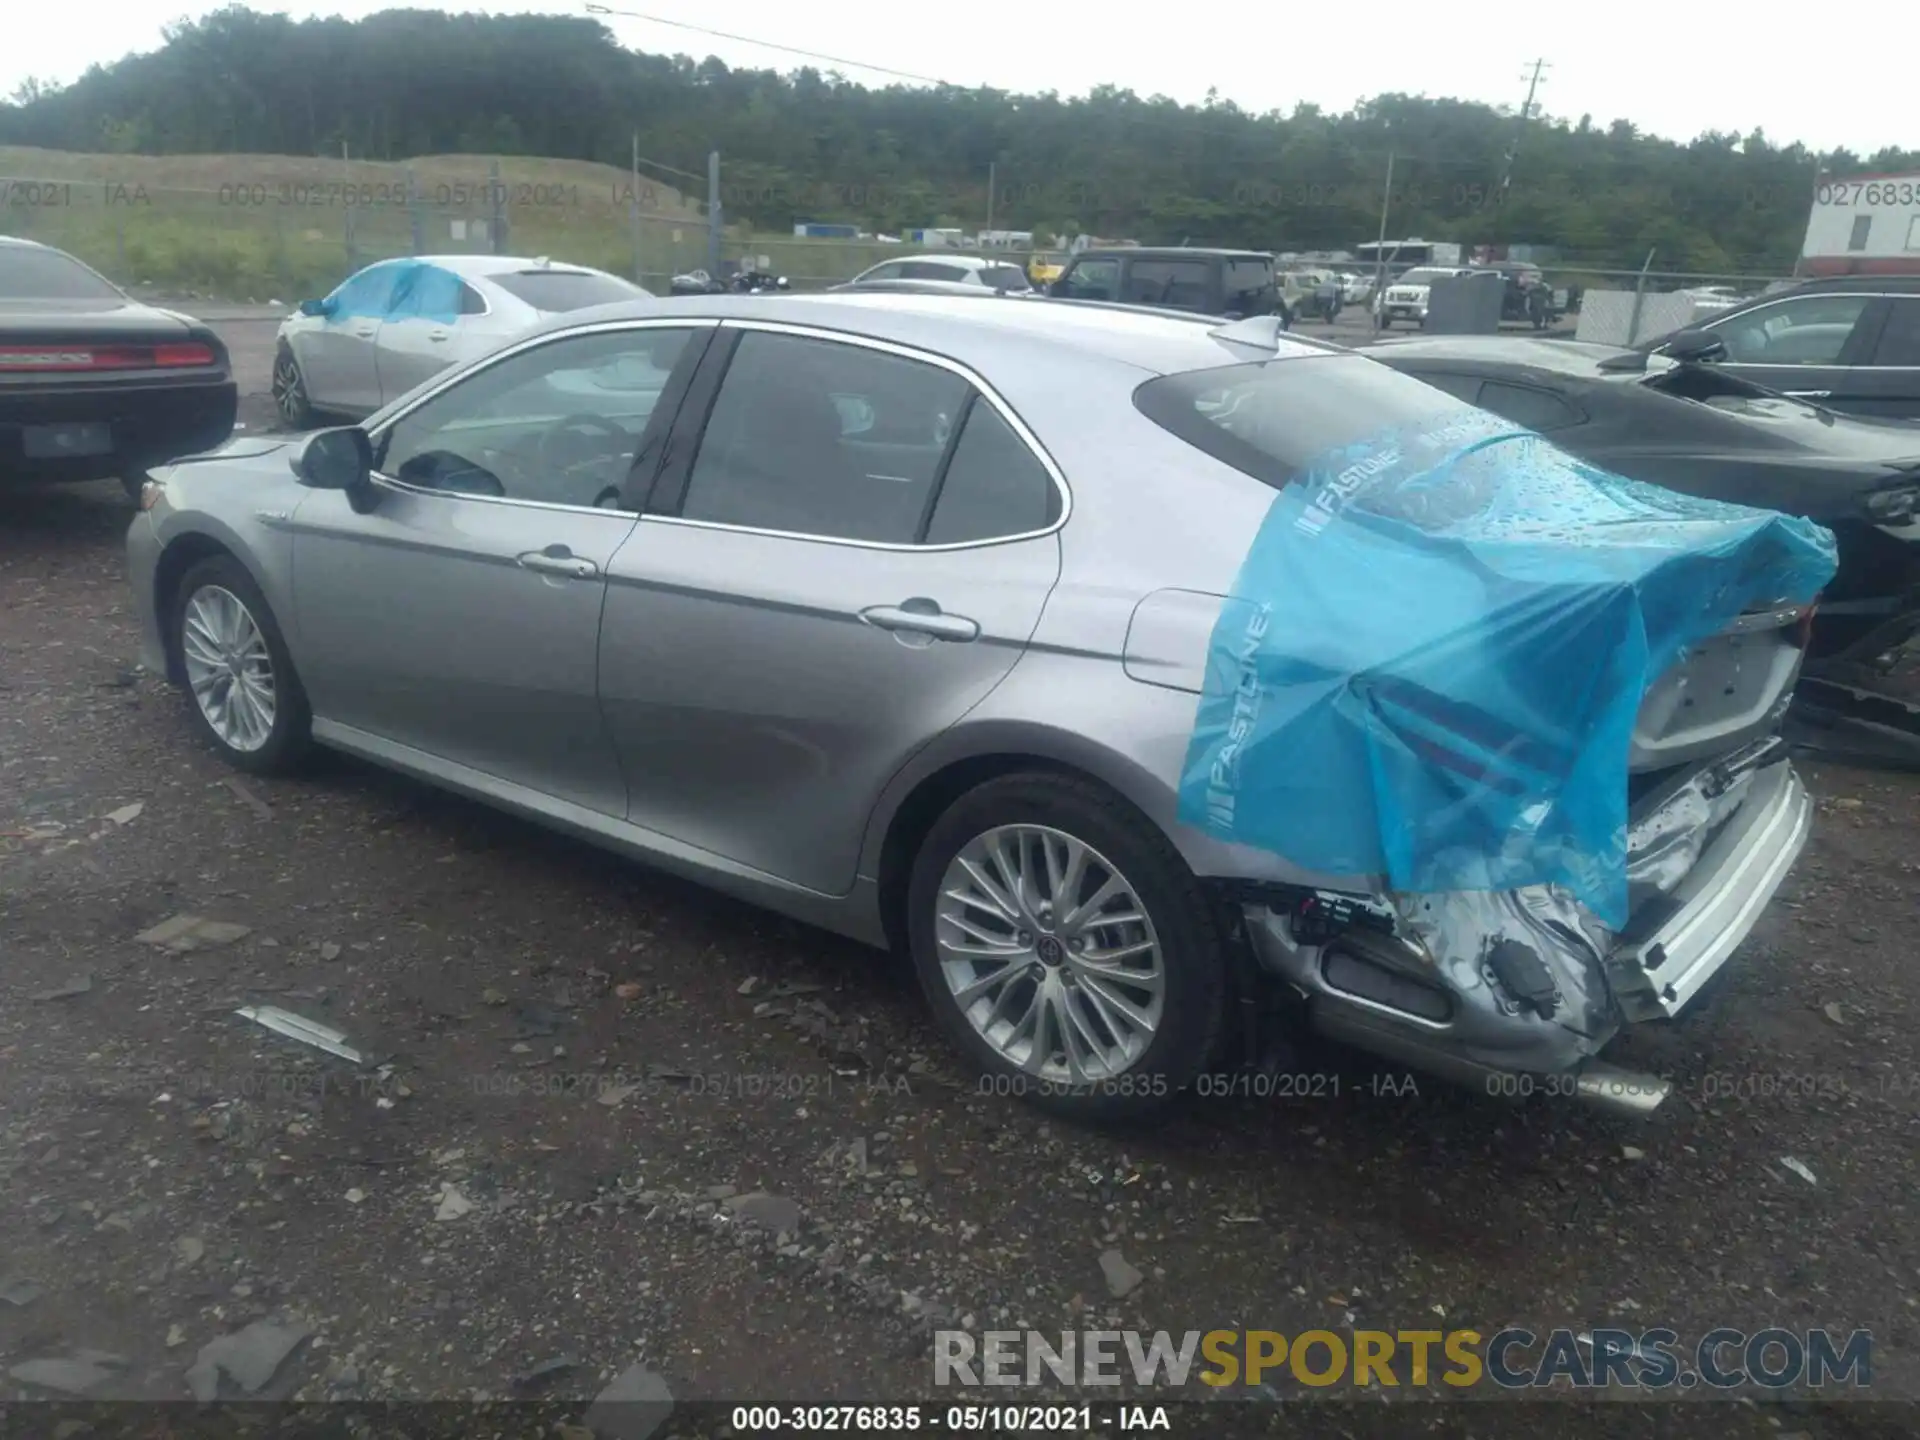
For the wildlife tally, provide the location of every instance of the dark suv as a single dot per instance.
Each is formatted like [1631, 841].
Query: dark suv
[1230, 283]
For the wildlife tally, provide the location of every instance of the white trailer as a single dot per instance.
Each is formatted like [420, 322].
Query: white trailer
[1864, 225]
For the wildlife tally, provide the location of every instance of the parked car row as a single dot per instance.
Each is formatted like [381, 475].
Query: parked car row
[863, 606]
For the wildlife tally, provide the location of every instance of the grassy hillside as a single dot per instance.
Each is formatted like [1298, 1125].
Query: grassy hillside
[285, 226]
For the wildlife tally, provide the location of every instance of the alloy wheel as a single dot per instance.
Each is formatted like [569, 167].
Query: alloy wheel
[1048, 951]
[289, 394]
[229, 668]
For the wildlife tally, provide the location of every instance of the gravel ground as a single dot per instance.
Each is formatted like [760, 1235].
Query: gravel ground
[587, 1069]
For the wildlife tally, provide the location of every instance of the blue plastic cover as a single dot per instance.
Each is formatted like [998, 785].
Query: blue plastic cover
[397, 290]
[1435, 651]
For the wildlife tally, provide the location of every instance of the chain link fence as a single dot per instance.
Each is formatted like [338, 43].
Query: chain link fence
[258, 237]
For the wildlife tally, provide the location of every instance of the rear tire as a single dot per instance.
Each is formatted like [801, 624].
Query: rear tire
[1101, 1017]
[242, 689]
[290, 399]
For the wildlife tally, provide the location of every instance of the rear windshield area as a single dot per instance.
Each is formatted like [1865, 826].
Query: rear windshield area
[28, 272]
[561, 290]
[1273, 419]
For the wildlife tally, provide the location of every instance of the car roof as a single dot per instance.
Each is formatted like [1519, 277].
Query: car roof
[971, 330]
[1163, 252]
[1902, 284]
[481, 266]
[22, 242]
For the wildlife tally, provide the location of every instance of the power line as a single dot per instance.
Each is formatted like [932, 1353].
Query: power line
[769, 45]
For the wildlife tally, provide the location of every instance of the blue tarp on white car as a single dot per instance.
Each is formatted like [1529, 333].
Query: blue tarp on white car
[1436, 648]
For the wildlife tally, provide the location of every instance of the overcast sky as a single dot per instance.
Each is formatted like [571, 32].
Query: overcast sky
[1673, 70]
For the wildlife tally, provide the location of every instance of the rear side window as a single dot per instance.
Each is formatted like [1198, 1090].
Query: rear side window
[994, 485]
[1272, 418]
[1177, 284]
[556, 291]
[1900, 341]
[470, 301]
[1524, 405]
[1249, 286]
[1006, 277]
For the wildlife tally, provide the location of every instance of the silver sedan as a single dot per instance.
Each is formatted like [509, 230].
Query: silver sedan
[891, 612]
[398, 323]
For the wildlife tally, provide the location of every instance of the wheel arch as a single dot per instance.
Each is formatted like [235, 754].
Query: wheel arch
[963, 760]
[180, 555]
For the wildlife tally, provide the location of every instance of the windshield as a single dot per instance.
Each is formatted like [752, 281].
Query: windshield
[558, 290]
[1425, 276]
[30, 272]
[1273, 418]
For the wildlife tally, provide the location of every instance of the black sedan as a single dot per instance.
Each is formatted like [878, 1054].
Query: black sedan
[95, 384]
[1852, 343]
[1690, 426]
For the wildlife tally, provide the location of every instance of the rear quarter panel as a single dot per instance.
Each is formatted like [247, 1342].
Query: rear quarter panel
[1149, 513]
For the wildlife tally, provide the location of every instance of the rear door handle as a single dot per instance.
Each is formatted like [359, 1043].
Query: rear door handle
[1811, 394]
[363, 334]
[559, 560]
[921, 617]
[436, 335]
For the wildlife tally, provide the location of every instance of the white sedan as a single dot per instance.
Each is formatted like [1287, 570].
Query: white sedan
[395, 324]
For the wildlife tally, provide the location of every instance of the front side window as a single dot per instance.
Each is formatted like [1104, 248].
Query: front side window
[1808, 330]
[1091, 280]
[1176, 284]
[367, 293]
[560, 423]
[931, 270]
[820, 438]
[889, 271]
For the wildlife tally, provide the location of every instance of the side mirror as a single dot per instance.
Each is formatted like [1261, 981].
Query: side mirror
[1695, 347]
[340, 459]
[313, 307]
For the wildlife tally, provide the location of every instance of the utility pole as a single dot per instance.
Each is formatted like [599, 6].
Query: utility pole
[990, 165]
[715, 221]
[1513, 146]
[1379, 299]
[1497, 198]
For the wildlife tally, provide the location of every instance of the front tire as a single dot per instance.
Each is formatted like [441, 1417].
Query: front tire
[290, 399]
[1066, 949]
[242, 689]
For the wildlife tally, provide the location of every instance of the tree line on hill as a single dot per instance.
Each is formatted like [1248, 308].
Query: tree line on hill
[815, 146]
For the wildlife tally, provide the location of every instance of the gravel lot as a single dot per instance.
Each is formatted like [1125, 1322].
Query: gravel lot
[584, 1067]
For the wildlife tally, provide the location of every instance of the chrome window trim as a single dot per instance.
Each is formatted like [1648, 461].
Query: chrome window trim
[925, 357]
[531, 342]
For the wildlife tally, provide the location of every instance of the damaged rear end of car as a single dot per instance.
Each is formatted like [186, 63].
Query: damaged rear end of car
[1528, 711]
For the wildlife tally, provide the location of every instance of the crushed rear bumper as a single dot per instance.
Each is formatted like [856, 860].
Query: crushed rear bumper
[1518, 992]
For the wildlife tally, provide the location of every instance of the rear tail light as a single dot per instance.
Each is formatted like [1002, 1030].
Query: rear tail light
[28, 359]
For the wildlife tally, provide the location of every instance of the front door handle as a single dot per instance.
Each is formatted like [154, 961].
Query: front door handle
[363, 334]
[436, 335]
[921, 617]
[559, 560]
